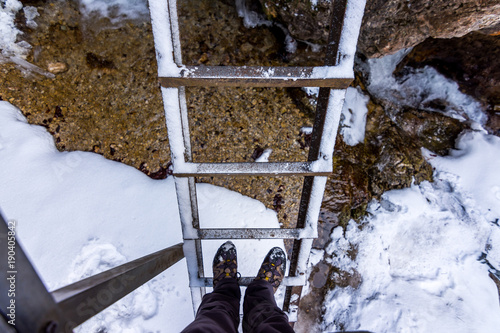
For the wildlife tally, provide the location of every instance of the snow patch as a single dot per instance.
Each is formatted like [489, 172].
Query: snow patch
[115, 10]
[418, 251]
[265, 156]
[102, 213]
[9, 44]
[421, 88]
[353, 118]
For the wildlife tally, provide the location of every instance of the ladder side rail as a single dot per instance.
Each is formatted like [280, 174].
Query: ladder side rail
[175, 32]
[196, 295]
[181, 153]
[174, 103]
[337, 15]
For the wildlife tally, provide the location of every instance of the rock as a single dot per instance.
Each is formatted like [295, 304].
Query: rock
[389, 25]
[57, 67]
[431, 130]
[303, 20]
[389, 158]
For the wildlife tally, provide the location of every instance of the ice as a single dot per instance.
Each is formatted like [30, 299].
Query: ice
[31, 13]
[28, 68]
[9, 45]
[115, 10]
[421, 88]
[353, 119]
[250, 19]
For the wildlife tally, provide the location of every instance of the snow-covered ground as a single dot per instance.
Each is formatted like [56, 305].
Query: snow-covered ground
[79, 214]
[418, 250]
[422, 250]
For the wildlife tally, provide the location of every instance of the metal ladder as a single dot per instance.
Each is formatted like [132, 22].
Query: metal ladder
[333, 80]
[38, 310]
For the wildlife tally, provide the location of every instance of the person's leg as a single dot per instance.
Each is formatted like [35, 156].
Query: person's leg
[219, 310]
[260, 311]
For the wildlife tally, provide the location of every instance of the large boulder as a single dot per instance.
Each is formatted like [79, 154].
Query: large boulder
[389, 25]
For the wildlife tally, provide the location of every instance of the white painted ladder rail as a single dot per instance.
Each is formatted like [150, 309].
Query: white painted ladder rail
[334, 78]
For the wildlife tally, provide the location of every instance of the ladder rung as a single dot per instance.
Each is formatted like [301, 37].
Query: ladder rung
[253, 76]
[315, 168]
[254, 233]
[245, 281]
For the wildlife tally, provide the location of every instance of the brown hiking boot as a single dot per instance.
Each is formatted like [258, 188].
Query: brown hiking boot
[225, 264]
[273, 267]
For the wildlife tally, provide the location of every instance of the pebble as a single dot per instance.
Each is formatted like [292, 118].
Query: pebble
[57, 67]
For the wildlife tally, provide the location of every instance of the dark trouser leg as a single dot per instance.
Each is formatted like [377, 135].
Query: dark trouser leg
[261, 314]
[219, 310]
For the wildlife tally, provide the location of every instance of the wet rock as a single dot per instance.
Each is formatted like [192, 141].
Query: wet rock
[305, 21]
[344, 279]
[431, 130]
[398, 162]
[389, 158]
[389, 25]
[213, 28]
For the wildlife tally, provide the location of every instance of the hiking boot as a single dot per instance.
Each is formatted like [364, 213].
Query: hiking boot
[225, 265]
[273, 267]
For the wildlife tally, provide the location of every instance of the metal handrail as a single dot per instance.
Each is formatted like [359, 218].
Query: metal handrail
[38, 310]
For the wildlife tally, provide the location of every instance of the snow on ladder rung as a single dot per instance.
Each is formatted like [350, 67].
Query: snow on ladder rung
[321, 167]
[259, 76]
[254, 233]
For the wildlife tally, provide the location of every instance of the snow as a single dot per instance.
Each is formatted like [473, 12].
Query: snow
[350, 32]
[265, 156]
[418, 250]
[9, 45]
[250, 19]
[353, 118]
[163, 40]
[115, 10]
[306, 130]
[95, 214]
[419, 88]
[31, 13]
